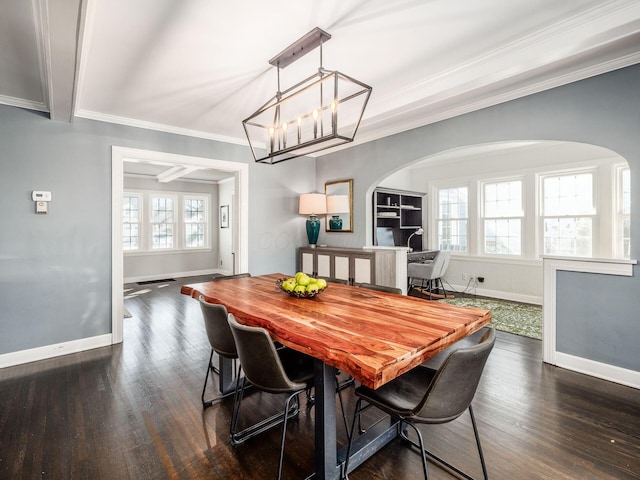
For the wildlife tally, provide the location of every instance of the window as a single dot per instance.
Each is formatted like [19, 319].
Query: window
[453, 212]
[131, 219]
[162, 222]
[623, 211]
[502, 217]
[195, 222]
[568, 214]
[165, 221]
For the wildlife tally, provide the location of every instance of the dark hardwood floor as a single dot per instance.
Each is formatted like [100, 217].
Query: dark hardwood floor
[132, 411]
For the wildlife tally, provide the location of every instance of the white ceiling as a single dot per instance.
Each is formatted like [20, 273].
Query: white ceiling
[200, 67]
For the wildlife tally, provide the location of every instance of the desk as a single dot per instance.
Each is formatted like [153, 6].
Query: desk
[374, 336]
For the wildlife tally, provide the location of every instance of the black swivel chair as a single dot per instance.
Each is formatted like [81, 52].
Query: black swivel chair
[425, 396]
[273, 371]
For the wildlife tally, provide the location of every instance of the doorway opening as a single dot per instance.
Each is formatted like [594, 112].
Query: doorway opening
[120, 155]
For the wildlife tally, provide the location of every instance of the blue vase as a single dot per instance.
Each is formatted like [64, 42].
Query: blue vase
[313, 229]
[335, 223]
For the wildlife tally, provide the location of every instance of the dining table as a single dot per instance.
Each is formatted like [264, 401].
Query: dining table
[373, 336]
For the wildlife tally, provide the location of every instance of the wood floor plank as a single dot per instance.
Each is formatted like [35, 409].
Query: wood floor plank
[132, 411]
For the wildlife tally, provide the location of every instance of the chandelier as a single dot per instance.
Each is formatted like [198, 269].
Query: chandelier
[322, 111]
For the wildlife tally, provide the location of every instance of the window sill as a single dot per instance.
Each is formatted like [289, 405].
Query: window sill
[143, 253]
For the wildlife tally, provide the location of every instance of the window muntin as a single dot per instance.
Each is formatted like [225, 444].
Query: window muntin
[162, 222]
[195, 216]
[502, 208]
[131, 221]
[453, 213]
[568, 214]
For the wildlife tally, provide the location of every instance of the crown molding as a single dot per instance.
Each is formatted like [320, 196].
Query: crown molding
[132, 122]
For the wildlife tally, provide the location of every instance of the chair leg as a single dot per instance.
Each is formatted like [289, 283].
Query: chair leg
[206, 379]
[239, 437]
[211, 369]
[420, 446]
[344, 414]
[356, 414]
[475, 432]
[284, 429]
[443, 463]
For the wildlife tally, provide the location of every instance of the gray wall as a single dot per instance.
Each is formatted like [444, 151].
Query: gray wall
[603, 111]
[55, 269]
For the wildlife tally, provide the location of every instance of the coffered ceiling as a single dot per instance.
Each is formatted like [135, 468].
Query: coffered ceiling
[200, 67]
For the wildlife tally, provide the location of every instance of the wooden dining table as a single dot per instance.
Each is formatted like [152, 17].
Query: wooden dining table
[374, 336]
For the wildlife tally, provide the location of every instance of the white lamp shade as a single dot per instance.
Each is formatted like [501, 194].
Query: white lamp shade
[338, 204]
[312, 204]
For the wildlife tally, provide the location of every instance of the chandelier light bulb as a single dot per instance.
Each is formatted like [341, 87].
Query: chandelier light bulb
[284, 135]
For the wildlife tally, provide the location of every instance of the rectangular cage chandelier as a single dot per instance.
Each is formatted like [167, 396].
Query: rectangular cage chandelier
[322, 111]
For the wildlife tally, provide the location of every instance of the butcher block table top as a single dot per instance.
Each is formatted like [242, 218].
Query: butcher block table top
[374, 336]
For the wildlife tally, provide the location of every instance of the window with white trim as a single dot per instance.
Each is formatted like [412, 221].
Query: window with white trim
[623, 211]
[162, 221]
[568, 214]
[453, 218]
[502, 212]
[131, 221]
[195, 215]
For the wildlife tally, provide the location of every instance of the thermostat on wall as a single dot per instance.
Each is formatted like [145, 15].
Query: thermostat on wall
[39, 196]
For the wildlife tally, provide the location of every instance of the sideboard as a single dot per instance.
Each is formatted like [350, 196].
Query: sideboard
[354, 265]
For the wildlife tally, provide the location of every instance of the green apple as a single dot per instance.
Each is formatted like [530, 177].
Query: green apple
[289, 285]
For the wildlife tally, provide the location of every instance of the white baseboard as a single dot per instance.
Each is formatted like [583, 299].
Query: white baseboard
[513, 297]
[604, 371]
[160, 276]
[56, 350]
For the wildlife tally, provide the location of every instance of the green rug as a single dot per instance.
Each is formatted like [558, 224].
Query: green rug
[519, 318]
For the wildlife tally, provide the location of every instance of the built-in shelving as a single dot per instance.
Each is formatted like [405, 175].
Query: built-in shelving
[401, 211]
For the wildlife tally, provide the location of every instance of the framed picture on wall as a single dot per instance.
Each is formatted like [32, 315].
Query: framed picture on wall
[224, 216]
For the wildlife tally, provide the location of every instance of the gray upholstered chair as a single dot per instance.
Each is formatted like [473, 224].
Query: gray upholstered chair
[273, 371]
[379, 288]
[429, 273]
[425, 396]
[221, 341]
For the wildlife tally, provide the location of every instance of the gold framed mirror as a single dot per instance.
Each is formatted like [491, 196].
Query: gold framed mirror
[339, 206]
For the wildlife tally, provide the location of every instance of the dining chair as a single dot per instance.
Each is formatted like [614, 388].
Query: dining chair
[379, 288]
[437, 360]
[274, 371]
[336, 280]
[425, 396]
[221, 342]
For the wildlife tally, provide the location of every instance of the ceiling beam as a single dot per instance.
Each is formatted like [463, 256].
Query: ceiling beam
[59, 24]
[174, 173]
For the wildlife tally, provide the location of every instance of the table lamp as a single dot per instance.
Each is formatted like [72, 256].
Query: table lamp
[419, 231]
[337, 204]
[313, 204]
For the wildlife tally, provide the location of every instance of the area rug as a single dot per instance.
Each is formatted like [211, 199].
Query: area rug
[518, 318]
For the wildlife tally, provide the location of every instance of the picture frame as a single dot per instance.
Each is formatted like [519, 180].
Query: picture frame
[224, 216]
